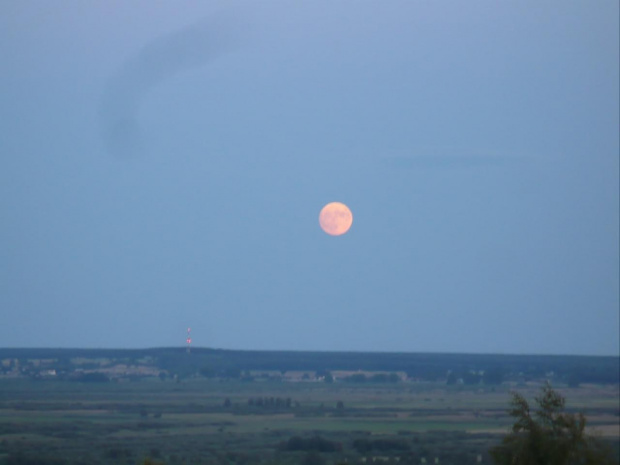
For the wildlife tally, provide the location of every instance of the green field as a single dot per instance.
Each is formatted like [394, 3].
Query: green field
[199, 420]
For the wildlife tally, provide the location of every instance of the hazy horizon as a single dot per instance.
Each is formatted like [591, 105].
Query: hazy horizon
[163, 166]
[233, 349]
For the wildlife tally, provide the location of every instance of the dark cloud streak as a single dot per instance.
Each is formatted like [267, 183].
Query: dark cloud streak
[191, 47]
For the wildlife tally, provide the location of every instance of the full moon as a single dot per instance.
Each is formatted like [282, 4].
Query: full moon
[335, 218]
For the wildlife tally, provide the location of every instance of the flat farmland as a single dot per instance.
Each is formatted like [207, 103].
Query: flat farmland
[202, 420]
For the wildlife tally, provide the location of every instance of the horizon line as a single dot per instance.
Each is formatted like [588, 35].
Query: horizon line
[385, 352]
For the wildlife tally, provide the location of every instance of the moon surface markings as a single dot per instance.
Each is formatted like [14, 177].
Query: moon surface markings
[335, 218]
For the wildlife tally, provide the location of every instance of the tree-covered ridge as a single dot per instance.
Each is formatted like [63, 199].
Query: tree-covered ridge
[465, 368]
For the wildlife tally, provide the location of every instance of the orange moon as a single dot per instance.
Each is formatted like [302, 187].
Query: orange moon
[335, 218]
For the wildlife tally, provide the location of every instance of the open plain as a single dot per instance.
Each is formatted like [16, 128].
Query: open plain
[201, 420]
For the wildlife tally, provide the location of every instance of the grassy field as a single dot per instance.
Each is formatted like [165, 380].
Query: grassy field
[211, 421]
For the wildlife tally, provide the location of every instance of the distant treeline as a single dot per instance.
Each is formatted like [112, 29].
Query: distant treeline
[423, 366]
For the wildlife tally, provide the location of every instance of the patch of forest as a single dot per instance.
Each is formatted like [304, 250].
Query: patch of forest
[423, 366]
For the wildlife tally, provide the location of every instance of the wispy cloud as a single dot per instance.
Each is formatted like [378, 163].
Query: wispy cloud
[165, 56]
[447, 160]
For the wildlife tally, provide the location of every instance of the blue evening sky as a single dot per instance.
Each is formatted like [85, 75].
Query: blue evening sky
[163, 165]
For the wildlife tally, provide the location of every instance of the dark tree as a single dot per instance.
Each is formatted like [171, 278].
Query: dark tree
[208, 372]
[363, 446]
[231, 372]
[548, 436]
[317, 443]
[471, 377]
[493, 376]
[356, 378]
[150, 461]
[313, 458]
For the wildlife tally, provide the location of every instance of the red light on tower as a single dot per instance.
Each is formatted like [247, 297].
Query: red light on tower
[189, 340]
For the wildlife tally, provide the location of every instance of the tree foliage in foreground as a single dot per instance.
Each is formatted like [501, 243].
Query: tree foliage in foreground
[548, 436]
